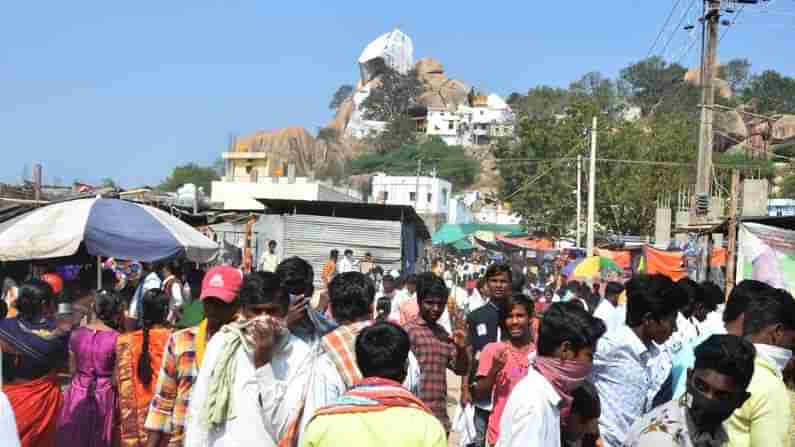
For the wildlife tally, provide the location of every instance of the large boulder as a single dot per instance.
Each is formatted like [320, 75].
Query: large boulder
[729, 129]
[722, 87]
[427, 65]
[784, 129]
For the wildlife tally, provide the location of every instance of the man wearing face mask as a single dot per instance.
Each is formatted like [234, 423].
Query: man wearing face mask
[542, 400]
[716, 387]
[764, 419]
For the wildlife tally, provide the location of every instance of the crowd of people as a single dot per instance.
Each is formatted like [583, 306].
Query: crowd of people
[368, 359]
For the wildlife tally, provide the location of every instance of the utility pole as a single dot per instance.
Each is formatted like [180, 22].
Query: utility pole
[592, 191]
[731, 255]
[417, 191]
[708, 58]
[579, 200]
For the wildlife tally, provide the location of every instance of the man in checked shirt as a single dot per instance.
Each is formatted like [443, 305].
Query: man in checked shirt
[165, 422]
[434, 348]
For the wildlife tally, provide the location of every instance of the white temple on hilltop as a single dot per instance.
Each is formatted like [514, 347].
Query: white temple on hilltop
[393, 50]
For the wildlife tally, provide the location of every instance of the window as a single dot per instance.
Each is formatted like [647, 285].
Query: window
[450, 125]
[386, 195]
[444, 196]
[430, 197]
[412, 196]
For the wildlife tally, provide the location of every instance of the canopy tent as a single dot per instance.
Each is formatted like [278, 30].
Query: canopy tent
[450, 233]
[463, 245]
[530, 244]
[103, 227]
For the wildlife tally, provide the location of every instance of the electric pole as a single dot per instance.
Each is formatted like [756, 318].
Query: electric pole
[705, 139]
[579, 200]
[417, 193]
[591, 192]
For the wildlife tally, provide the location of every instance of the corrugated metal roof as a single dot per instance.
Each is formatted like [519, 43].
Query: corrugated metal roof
[352, 210]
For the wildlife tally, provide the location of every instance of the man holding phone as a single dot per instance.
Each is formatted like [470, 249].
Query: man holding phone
[296, 277]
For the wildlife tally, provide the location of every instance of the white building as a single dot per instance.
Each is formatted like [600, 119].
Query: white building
[391, 50]
[498, 214]
[488, 117]
[242, 195]
[781, 207]
[459, 212]
[429, 196]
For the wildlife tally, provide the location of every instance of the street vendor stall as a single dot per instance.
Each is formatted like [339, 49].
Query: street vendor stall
[98, 227]
[105, 227]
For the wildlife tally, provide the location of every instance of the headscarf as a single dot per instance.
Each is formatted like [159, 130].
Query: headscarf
[564, 375]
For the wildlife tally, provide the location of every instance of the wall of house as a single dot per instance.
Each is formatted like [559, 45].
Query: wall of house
[402, 190]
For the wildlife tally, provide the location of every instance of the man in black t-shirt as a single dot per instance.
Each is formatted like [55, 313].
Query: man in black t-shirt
[483, 326]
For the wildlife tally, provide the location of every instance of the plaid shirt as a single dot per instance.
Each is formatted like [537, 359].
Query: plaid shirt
[435, 352]
[172, 395]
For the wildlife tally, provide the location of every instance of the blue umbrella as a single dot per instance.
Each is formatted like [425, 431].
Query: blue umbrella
[107, 227]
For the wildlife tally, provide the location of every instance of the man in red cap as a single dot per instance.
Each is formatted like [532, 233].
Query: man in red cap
[184, 354]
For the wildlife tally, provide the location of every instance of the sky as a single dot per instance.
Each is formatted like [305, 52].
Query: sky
[128, 90]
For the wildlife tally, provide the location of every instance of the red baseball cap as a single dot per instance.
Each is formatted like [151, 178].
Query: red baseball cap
[222, 282]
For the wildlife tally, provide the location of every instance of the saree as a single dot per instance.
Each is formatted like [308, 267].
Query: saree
[36, 404]
[33, 351]
[134, 395]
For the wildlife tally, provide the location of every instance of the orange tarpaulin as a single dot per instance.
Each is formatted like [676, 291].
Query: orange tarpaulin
[530, 244]
[622, 258]
[719, 257]
[668, 263]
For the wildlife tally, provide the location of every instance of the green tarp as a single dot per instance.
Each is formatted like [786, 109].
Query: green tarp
[451, 233]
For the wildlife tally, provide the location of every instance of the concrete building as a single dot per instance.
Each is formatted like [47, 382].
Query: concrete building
[459, 212]
[497, 214]
[243, 195]
[431, 200]
[781, 207]
[478, 124]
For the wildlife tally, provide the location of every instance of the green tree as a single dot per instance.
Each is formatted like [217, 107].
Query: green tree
[398, 132]
[772, 92]
[450, 162]
[327, 134]
[393, 98]
[659, 87]
[737, 73]
[787, 187]
[201, 176]
[542, 101]
[544, 193]
[602, 91]
[108, 182]
[343, 92]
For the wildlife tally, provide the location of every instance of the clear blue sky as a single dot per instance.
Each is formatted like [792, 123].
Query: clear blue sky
[128, 90]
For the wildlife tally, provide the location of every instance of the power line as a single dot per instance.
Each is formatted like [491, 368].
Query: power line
[678, 26]
[665, 25]
[732, 23]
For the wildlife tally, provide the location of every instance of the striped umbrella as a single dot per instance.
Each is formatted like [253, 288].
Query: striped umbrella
[107, 227]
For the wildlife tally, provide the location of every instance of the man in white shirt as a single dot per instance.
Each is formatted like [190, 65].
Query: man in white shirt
[173, 289]
[567, 339]
[347, 264]
[149, 280]
[606, 310]
[269, 260]
[624, 362]
[335, 372]
[228, 413]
